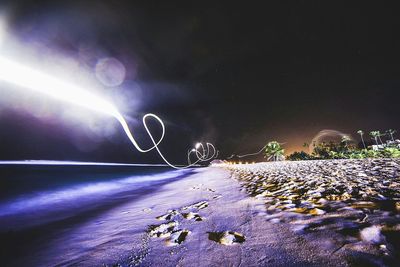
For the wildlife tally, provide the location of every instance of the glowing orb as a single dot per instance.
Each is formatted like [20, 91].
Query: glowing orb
[110, 71]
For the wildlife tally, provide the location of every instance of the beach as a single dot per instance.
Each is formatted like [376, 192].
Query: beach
[348, 207]
[217, 216]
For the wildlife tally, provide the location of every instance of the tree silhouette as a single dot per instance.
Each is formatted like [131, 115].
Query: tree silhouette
[374, 135]
[391, 133]
[273, 150]
[361, 133]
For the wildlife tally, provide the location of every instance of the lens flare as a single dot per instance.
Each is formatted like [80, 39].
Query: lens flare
[26, 77]
[110, 71]
[326, 136]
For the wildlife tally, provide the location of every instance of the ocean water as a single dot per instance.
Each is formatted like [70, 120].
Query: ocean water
[36, 199]
[35, 194]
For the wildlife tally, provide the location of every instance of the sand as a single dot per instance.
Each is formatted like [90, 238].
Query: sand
[349, 205]
[203, 219]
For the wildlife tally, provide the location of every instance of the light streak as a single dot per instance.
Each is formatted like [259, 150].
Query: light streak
[204, 154]
[246, 155]
[253, 154]
[28, 78]
[250, 154]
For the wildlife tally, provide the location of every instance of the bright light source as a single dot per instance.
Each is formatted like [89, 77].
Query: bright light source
[20, 75]
[28, 78]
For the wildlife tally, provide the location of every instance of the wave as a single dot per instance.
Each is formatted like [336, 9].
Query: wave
[76, 195]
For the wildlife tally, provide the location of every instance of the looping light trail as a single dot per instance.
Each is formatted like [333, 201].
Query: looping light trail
[204, 154]
[28, 78]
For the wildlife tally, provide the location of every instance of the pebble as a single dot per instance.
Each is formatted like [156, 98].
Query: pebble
[372, 234]
[317, 212]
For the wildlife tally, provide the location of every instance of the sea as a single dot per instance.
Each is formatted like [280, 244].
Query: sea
[38, 197]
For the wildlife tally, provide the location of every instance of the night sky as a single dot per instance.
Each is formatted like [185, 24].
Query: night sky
[236, 75]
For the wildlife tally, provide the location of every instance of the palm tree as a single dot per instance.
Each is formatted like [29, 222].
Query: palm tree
[345, 140]
[361, 133]
[273, 150]
[379, 137]
[374, 135]
[391, 133]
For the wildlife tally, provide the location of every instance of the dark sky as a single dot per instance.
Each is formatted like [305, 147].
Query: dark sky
[237, 75]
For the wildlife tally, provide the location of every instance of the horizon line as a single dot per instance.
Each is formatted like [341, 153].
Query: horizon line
[77, 163]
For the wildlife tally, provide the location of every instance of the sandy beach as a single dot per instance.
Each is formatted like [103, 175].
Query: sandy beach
[223, 207]
[241, 215]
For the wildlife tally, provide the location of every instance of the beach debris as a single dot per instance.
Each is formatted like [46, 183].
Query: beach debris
[162, 230]
[226, 238]
[177, 237]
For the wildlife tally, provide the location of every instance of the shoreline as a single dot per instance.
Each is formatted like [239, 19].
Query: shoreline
[211, 217]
